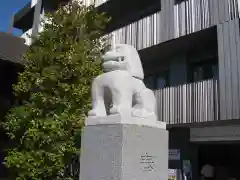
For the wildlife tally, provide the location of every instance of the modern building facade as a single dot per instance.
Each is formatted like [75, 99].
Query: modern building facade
[190, 50]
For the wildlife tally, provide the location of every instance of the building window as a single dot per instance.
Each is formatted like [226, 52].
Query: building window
[203, 70]
[149, 82]
[157, 81]
[161, 81]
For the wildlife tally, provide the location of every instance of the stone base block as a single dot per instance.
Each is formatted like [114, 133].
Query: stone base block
[124, 151]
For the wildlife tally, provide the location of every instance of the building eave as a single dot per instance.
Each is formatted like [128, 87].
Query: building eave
[12, 48]
[23, 19]
[123, 12]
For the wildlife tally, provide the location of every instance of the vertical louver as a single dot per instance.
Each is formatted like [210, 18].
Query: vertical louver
[176, 20]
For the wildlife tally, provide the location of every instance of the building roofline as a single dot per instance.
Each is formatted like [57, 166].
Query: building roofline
[12, 48]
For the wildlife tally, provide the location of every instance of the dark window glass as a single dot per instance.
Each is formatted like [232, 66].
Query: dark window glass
[179, 1]
[149, 82]
[203, 70]
[157, 81]
[161, 82]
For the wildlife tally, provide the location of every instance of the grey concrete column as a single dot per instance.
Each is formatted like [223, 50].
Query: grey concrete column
[229, 69]
[37, 17]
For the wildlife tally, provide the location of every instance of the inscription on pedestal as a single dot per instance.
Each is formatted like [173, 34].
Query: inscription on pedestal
[148, 162]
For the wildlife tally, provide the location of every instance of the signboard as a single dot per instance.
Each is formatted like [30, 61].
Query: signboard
[216, 133]
[174, 154]
[172, 174]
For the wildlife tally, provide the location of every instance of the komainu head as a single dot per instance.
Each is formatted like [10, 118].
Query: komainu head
[123, 57]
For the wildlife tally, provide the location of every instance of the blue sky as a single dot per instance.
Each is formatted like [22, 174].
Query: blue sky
[7, 10]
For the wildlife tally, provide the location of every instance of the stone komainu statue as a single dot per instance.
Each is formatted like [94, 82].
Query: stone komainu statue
[121, 90]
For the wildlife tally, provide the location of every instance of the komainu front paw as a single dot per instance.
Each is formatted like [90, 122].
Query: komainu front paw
[114, 110]
[123, 111]
[92, 113]
[97, 112]
[141, 113]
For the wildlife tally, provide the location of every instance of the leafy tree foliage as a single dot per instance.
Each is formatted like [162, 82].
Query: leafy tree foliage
[53, 94]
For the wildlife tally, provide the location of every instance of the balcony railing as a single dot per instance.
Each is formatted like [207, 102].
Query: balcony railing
[188, 103]
[189, 16]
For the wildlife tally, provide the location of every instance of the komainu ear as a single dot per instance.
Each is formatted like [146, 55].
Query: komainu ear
[132, 58]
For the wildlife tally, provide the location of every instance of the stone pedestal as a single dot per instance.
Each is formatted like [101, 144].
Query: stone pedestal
[120, 148]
